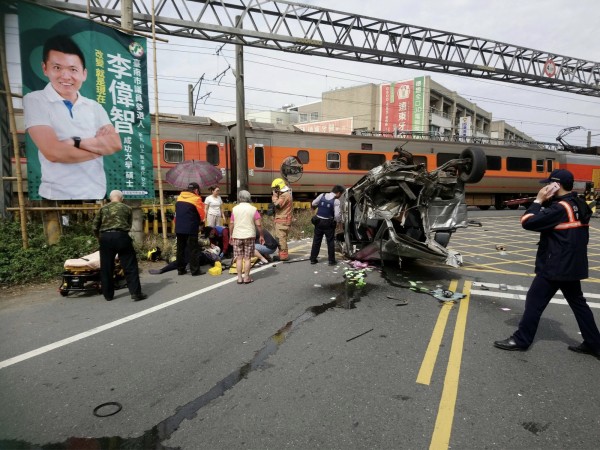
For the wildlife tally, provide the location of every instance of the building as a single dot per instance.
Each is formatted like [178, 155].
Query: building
[500, 130]
[281, 117]
[418, 106]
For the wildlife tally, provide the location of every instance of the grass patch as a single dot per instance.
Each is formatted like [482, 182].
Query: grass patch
[42, 262]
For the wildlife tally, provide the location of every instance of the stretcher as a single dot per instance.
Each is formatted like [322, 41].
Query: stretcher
[83, 275]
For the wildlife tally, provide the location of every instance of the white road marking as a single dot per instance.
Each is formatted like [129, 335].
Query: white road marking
[522, 288]
[503, 294]
[108, 326]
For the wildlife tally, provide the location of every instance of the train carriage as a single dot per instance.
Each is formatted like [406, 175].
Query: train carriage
[329, 159]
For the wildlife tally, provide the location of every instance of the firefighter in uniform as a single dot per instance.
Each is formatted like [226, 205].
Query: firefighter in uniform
[561, 263]
[282, 199]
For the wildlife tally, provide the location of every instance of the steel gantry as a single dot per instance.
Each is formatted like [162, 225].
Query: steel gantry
[311, 30]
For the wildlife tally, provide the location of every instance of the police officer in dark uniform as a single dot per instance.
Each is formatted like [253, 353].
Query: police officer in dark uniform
[111, 226]
[561, 262]
[328, 213]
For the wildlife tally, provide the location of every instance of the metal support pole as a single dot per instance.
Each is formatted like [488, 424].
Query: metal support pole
[13, 133]
[240, 144]
[137, 226]
[163, 217]
[190, 100]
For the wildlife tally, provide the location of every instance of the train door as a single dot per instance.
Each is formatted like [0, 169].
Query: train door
[544, 166]
[213, 149]
[260, 166]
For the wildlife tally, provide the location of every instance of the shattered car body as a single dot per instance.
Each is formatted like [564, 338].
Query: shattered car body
[400, 211]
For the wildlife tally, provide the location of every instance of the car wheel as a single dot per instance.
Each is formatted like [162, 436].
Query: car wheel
[475, 170]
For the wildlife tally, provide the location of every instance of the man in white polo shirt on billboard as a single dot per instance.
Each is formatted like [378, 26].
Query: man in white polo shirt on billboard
[72, 133]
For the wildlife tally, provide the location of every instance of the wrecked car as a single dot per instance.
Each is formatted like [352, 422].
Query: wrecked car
[400, 211]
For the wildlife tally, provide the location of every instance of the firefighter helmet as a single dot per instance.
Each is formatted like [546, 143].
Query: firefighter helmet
[278, 184]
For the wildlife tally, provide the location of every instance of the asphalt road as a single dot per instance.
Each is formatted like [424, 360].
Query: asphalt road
[299, 360]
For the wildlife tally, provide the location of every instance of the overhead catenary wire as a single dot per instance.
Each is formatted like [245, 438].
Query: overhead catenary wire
[214, 103]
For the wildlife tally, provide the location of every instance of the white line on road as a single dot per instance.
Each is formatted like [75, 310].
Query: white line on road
[556, 301]
[517, 287]
[108, 326]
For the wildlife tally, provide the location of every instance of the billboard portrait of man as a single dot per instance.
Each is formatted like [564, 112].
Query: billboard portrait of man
[72, 132]
[85, 108]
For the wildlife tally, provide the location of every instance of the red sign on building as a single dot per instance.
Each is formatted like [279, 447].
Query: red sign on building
[397, 106]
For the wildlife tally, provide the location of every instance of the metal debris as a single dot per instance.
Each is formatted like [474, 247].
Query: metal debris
[361, 334]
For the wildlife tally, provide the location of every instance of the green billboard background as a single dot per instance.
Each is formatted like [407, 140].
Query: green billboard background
[117, 79]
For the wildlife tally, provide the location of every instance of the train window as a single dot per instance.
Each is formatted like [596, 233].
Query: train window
[420, 160]
[549, 165]
[259, 157]
[518, 164]
[362, 161]
[443, 158]
[539, 165]
[364, 146]
[493, 162]
[303, 156]
[173, 152]
[333, 160]
[212, 154]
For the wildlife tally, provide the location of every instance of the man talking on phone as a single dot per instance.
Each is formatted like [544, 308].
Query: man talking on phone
[561, 262]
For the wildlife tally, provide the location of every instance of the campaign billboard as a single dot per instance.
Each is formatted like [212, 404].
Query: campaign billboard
[85, 107]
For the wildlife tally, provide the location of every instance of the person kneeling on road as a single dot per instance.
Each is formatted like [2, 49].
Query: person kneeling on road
[262, 251]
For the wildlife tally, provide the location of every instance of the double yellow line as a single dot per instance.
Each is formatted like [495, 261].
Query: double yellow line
[443, 423]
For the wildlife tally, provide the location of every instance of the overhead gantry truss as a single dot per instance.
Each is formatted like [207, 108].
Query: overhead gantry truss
[312, 30]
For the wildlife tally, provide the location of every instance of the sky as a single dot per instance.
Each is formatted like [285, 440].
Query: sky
[274, 78]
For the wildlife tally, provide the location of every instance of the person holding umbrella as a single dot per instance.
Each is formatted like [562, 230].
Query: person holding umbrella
[189, 216]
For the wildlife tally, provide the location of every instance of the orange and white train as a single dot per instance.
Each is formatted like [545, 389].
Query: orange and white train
[329, 159]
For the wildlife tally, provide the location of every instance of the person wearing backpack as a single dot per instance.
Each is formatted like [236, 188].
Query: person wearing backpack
[328, 213]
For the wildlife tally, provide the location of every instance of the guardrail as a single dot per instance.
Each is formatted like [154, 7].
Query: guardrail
[151, 213]
[153, 223]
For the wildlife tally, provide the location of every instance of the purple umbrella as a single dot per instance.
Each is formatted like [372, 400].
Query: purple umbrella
[201, 172]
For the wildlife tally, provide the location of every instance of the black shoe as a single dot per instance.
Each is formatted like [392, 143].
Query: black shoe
[108, 299]
[584, 348]
[313, 261]
[198, 272]
[181, 271]
[138, 297]
[509, 344]
[332, 263]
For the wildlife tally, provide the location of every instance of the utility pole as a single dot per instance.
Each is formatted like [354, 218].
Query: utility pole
[240, 142]
[190, 100]
[589, 138]
[137, 225]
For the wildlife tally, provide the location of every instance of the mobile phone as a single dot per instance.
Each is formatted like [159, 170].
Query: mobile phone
[553, 188]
